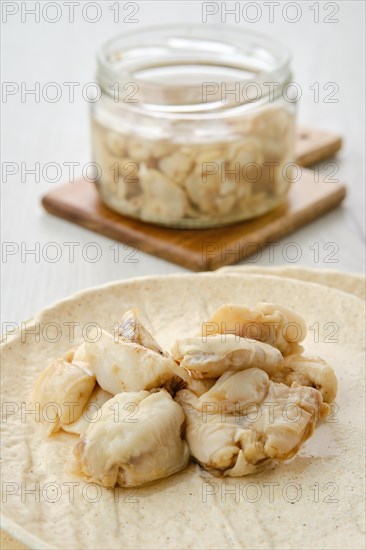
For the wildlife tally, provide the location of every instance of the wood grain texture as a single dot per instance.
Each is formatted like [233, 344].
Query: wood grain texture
[9, 543]
[313, 145]
[197, 249]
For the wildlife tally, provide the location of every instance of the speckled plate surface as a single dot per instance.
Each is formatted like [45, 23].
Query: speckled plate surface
[314, 501]
[354, 283]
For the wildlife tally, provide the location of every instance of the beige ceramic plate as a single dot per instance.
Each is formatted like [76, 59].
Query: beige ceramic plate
[314, 501]
[354, 283]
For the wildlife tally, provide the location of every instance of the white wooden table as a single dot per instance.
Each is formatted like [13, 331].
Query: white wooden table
[43, 132]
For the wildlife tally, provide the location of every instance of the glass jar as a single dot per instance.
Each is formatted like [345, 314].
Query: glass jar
[194, 128]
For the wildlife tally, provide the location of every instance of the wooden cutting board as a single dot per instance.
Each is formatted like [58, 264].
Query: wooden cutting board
[209, 249]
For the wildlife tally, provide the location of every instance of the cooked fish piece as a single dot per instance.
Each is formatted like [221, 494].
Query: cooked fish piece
[270, 323]
[217, 441]
[199, 386]
[288, 418]
[62, 390]
[124, 366]
[137, 439]
[96, 400]
[236, 391]
[235, 445]
[131, 330]
[211, 356]
[309, 371]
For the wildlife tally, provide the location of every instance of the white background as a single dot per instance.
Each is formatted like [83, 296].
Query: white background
[59, 132]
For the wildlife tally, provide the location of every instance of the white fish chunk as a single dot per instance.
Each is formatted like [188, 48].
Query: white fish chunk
[125, 366]
[309, 371]
[236, 391]
[239, 444]
[62, 390]
[96, 400]
[137, 439]
[211, 356]
[132, 330]
[270, 323]
[199, 386]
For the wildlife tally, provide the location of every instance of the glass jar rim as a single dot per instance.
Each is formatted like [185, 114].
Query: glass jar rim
[149, 61]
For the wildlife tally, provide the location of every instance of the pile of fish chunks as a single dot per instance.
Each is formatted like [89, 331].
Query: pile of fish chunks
[236, 397]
